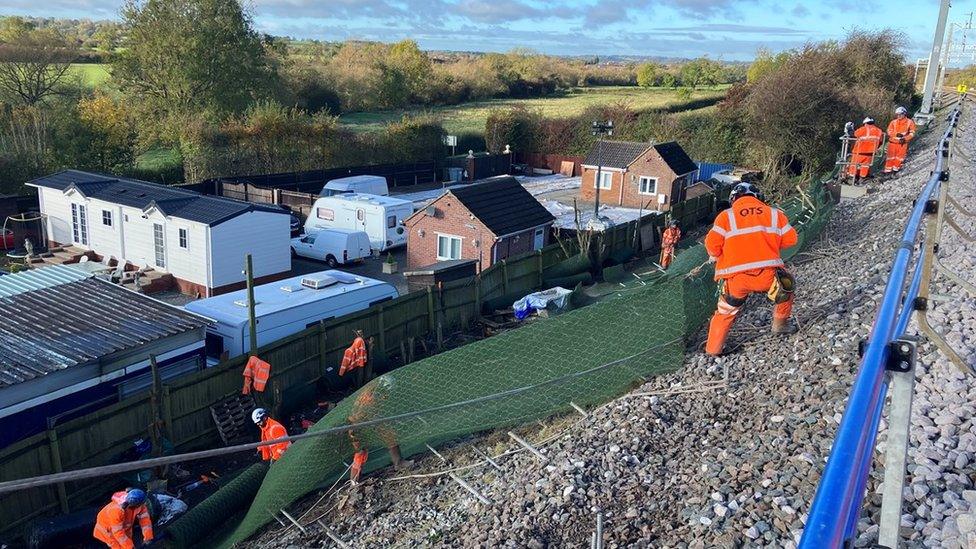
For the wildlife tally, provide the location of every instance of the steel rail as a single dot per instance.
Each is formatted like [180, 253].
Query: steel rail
[833, 515]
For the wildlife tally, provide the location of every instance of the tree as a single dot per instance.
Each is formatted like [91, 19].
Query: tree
[764, 64]
[701, 72]
[517, 127]
[405, 72]
[34, 62]
[111, 132]
[669, 80]
[647, 75]
[184, 56]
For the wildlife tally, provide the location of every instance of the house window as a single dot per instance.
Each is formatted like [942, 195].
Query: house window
[107, 218]
[325, 213]
[391, 222]
[159, 244]
[79, 224]
[648, 185]
[448, 247]
[183, 239]
[605, 180]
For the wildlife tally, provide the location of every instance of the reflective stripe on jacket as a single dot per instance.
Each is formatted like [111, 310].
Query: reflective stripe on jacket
[869, 139]
[257, 370]
[273, 430]
[354, 357]
[905, 126]
[747, 236]
[113, 525]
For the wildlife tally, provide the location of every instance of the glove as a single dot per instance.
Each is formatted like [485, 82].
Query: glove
[712, 259]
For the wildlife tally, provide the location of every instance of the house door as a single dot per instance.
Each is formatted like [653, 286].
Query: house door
[540, 239]
[159, 245]
[79, 224]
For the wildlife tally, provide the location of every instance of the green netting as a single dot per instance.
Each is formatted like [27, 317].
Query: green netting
[586, 356]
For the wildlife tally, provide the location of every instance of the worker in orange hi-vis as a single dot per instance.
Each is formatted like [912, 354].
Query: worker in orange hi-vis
[669, 240]
[256, 374]
[369, 405]
[745, 244]
[901, 130]
[270, 430]
[867, 141]
[113, 525]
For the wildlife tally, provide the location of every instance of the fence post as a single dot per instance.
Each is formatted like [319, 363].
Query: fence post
[539, 266]
[323, 350]
[477, 296]
[432, 324]
[168, 414]
[505, 276]
[55, 446]
[382, 334]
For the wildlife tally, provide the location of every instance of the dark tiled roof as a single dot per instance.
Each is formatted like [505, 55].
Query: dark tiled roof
[675, 157]
[48, 329]
[503, 205]
[616, 154]
[620, 154]
[171, 201]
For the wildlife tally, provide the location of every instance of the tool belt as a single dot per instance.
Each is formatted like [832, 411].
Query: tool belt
[783, 287]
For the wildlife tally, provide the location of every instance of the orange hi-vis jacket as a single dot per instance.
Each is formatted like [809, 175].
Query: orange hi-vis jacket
[113, 526]
[869, 138]
[273, 430]
[671, 237]
[258, 372]
[906, 127]
[354, 357]
[748, 236]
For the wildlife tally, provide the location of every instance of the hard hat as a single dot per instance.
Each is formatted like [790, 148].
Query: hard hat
[674, 223]
[135, 496]
[744, 189]
[901, 110]
[868, 120]
[258, 415]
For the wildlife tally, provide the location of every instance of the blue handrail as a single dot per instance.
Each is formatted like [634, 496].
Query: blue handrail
[836, 505]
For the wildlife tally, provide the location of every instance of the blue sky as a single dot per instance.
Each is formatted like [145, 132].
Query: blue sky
[722, 29]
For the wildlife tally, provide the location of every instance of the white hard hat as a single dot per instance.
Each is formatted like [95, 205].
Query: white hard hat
[258, 415]
[868, 120]
[901, 110]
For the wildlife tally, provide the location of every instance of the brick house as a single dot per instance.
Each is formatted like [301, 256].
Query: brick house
[487, 221]
[638, 175]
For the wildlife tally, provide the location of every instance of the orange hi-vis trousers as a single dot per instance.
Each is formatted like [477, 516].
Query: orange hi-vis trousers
[737, 289]
[860, 165]
[896, 156]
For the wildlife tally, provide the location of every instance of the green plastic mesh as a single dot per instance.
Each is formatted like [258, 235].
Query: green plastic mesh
[586, 356]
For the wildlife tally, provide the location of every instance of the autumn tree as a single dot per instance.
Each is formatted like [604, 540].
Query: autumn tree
[34, 62]
[184, 56]
[647, 75]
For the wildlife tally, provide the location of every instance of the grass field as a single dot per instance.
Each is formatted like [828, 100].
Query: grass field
[470, 117]
[91, 75]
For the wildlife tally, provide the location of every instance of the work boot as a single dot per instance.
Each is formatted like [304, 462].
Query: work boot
[783, 326]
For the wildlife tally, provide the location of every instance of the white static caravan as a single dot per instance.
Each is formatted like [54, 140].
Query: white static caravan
[381, 217]
[284, 308]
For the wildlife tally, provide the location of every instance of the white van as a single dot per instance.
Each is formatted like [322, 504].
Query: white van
[361, 184]
[381, 217]
[334, 246]
[284, 308]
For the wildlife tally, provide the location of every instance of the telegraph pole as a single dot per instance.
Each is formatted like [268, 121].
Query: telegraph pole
[932, 73]
[599, 129]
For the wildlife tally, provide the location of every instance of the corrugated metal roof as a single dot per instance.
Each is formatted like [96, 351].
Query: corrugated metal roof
[37, 279]
[55, 326]
[171, 201]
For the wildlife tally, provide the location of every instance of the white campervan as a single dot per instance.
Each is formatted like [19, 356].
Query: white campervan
[381, 217]
[359, 184]
[284, 308]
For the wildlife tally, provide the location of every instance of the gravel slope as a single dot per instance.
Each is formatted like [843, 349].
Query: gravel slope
[699, 463]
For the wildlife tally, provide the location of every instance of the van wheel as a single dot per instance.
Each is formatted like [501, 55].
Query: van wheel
[330, 260]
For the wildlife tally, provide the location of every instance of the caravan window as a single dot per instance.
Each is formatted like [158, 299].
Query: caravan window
[215, 345]
[325, 213]
[391, 222]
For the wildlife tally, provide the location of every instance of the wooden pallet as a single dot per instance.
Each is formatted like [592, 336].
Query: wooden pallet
[233, 418]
